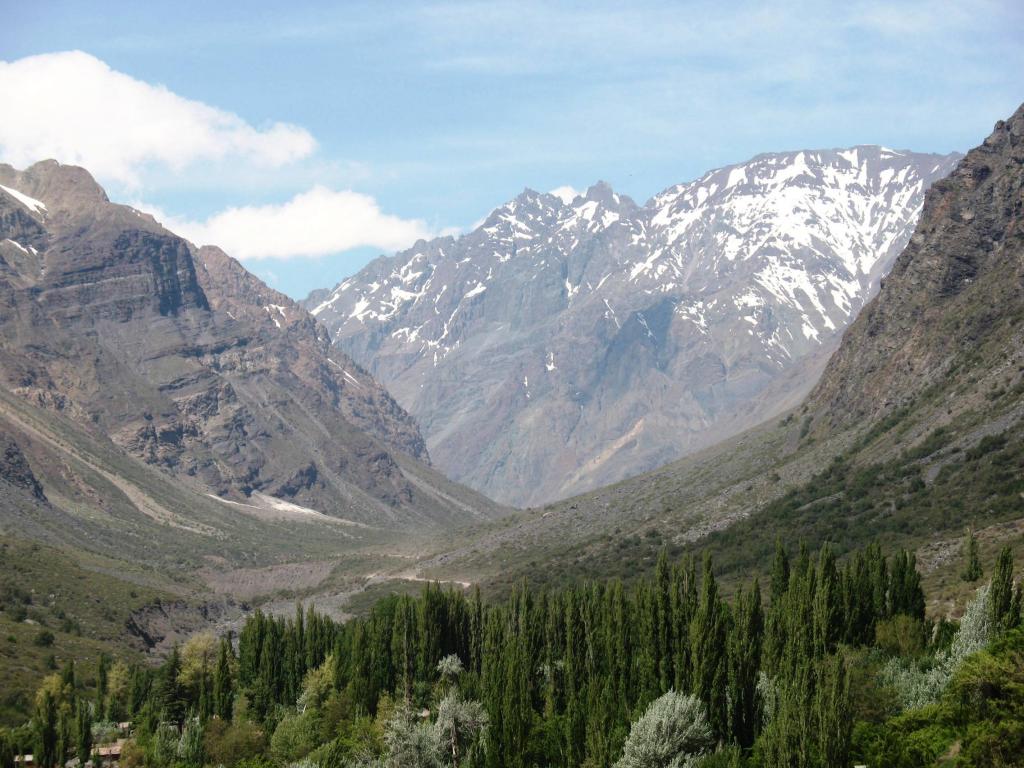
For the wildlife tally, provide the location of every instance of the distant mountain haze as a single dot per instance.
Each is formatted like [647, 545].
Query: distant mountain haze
[570, 343]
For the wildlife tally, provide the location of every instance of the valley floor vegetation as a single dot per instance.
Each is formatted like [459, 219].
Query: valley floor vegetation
[836, 665]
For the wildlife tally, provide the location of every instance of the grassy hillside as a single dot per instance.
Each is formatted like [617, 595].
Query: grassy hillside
[56, 606]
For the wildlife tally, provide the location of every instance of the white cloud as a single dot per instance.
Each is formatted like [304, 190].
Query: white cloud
[566, 193]
[73, 107]
[314, 223]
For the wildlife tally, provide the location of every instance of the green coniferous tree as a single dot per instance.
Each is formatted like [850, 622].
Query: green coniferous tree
[83, 728]
[972, 561]
[744, 666]
[708, 652]
[8, 750]
[828, 618]
[65, 739]
[663, 620]
[1001, 592]
[67, 676]
[102, 684]
[780, 572]
[46, 732]
[223, 685]
[788, 738]
[834, 713]
[168, 693]
[684, 605]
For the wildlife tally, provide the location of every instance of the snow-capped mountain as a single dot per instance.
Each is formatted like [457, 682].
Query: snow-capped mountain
[567, 343]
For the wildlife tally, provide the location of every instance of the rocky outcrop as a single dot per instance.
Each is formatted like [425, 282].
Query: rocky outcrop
[15, 470]
[290, 337]
[569, 343]
[953, 305]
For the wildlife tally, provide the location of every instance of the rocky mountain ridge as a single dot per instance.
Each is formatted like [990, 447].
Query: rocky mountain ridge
[568, 343]
[954, 297]
[186, 362]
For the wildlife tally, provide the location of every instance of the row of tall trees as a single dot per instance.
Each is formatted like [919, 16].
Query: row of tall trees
[562, 674]
[569, 677]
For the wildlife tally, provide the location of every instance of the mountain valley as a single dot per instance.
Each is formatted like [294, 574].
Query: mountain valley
[180, 443]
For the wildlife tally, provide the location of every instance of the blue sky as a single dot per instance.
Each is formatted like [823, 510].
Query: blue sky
[308, 137]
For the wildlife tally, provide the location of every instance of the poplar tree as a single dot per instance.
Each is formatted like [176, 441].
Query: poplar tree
[575, 723]
[905, 593]
[834, 712]
[560, 674]
[67, 676]
[102, 684]
[83, 728]
[788, 741]
[46, 732]
[1001, 592]
[684, 604]
[972, 565]
[744, 665]
[7, 750]
[663, 620]
[65, 740]
[708, 650]
[223, 685]
[828, 619]
[780, 571]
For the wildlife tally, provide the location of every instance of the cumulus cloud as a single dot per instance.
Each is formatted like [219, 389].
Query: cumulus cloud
[318, 222]
[566, 193]
[73, 107]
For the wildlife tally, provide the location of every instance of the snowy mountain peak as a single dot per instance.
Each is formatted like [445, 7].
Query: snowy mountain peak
[670, 323]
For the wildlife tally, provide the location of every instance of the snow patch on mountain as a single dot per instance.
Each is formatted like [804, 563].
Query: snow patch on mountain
[36, 206]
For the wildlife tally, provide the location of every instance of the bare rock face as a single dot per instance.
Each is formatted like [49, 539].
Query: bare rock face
[566, 344]
[953, 304]
[295, 341]
[188, 362]
[15, 470]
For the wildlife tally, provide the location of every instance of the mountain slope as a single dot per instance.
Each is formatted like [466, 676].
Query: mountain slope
[122, 338]
[915, 430]
[568, 343]
[953, 303]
